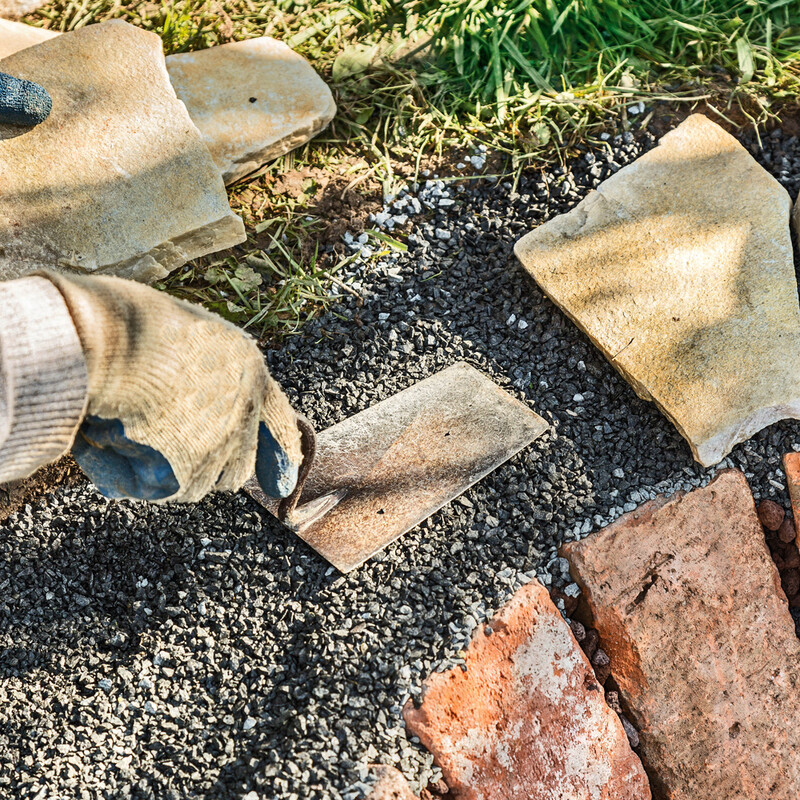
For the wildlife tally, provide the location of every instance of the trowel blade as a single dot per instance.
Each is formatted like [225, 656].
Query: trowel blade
[382, 472]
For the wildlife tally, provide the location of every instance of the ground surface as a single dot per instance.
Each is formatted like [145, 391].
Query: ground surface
[203, 651]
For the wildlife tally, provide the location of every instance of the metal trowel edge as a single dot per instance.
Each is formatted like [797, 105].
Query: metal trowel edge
[384, 470]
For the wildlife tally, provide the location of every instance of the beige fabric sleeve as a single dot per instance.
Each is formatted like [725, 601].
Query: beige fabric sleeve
[43, 377]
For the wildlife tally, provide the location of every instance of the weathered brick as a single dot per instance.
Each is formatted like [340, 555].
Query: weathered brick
[527, 719]
[791, 465]
[689, 607]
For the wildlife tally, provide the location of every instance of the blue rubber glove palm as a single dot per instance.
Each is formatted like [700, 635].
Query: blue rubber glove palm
[23, 102]
[180, 401]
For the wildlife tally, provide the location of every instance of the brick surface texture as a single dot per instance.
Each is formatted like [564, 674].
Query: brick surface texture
[689, 606]
[791, 465]
[527, 719]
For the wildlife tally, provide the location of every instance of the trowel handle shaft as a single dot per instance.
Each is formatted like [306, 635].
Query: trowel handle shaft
[308, 441]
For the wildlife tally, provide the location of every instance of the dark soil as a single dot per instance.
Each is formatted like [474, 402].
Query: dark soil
[13, 496]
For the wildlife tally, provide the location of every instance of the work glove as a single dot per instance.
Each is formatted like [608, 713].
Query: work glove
[23, 102]
[180, 401]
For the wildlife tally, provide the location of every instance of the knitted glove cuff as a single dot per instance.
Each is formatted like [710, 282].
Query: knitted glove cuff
[43, 377]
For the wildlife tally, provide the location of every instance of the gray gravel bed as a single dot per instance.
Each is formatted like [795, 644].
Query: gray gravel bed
[204, 652]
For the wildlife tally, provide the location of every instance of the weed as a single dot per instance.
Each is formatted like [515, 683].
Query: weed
[416, 78]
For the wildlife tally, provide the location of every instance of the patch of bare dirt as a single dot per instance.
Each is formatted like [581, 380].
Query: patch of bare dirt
[733, 119]
[13, 496]
[345, 208]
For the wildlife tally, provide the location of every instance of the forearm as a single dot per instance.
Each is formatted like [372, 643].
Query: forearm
[43, 377]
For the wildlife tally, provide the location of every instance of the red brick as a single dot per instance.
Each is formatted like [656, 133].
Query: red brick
[689, 607]
[527, 720]
[791, 466]
[390, 785]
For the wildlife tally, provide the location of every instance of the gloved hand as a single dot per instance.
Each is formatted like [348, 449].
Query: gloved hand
[180, 401]
[23, 102]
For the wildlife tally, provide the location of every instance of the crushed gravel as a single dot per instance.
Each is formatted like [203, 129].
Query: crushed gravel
[205, 652]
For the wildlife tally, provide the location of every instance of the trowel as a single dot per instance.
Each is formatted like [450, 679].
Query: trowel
[371, 478]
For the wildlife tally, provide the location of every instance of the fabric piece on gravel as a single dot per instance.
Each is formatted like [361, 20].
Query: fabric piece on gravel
[117, 179]
[527, 717]
[680, 269]
[15, 36]
[137, 641]
[252, 101]
[381, 472]
[689, 606]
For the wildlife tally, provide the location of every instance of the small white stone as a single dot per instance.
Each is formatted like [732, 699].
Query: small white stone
[248, 724]
[511, 320]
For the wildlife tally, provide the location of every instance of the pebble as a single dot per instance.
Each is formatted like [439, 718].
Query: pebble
[786, 532]
[771, 514]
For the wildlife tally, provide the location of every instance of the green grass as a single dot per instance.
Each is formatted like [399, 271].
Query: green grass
[542, 47]
[528, 78]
